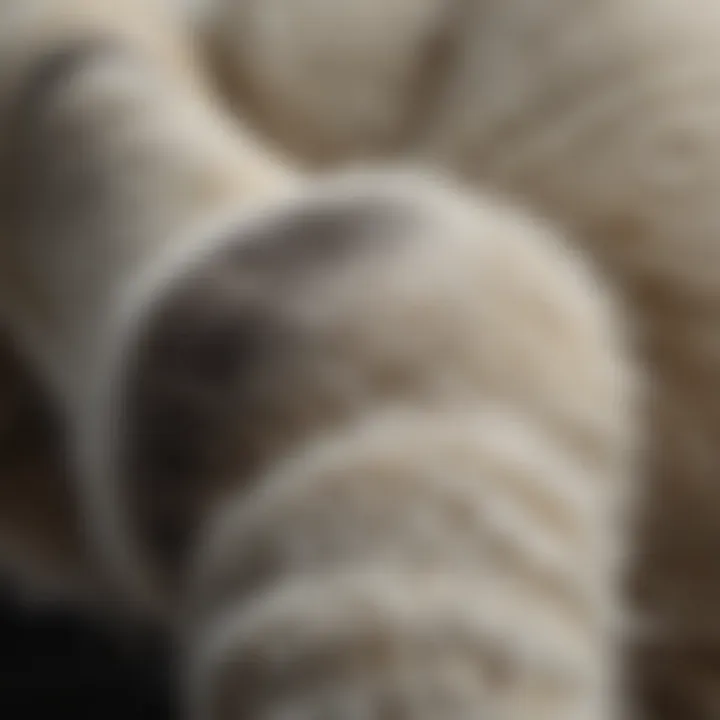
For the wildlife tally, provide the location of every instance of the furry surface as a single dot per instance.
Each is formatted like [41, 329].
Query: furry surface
[601, 115]
[316, 476]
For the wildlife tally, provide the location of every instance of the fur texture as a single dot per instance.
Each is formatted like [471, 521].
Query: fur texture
[76, 83]
[601, 115]
[378, 433]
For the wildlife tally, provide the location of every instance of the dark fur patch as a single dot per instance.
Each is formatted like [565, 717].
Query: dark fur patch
[193, 374]
[310, 240]
[209, 382]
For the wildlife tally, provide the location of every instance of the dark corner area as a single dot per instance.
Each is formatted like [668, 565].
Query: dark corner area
[55, 661]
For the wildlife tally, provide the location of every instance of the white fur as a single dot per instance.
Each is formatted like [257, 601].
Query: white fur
[498, 346]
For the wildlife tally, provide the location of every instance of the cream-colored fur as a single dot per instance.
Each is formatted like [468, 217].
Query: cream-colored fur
[602, 115]
[365, 443]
